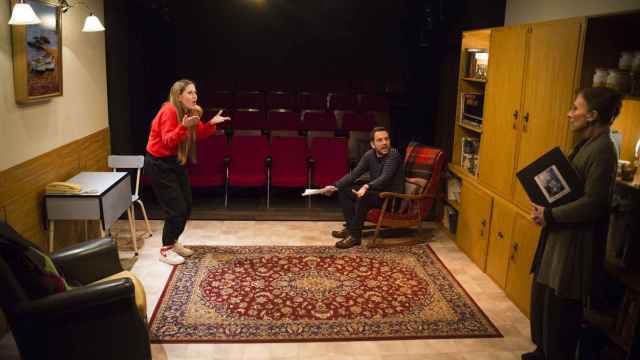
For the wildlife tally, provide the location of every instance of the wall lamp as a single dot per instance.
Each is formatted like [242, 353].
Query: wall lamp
[23, 14]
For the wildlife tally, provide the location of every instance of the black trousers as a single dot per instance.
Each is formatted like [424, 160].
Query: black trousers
[555, 323]
[354, 209]
[171, 186]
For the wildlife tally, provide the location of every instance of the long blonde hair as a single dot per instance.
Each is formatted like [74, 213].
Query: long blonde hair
[187, 148]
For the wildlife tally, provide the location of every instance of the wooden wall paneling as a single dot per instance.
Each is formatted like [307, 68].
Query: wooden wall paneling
[22, 188]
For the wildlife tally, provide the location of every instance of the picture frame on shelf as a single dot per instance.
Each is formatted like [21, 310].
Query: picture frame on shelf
[37, 54]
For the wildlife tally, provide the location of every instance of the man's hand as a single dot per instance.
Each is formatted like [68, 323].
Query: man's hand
[363, 190]
[218, 118]
[329, 190]
[189, 121]
[537, 214]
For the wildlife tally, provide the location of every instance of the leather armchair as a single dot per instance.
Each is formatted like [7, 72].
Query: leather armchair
[90, 321]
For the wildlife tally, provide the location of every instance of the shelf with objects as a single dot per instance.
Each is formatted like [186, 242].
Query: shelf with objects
[611, 58]
[472, 79]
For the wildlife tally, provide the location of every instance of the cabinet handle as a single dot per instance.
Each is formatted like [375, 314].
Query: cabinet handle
[483, 223]
[514, 250]
[526, 122]
[500, 236]
[515, 118]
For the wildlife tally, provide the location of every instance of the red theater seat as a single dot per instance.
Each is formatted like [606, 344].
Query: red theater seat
[289, 162]
[283, 120]
[248, 120]
[250, 100]
[330, 161]
[209, 170]
[248, 161]
[318, 121]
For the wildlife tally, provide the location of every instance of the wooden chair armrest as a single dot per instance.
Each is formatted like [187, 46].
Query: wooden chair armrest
[385, 195]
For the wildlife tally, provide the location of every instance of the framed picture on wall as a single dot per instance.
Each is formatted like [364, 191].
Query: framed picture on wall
[37, 54]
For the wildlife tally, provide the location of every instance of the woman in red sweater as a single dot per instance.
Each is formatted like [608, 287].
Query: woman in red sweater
[174, 131]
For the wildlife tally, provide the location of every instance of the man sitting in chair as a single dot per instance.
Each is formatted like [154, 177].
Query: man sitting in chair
[385, 167]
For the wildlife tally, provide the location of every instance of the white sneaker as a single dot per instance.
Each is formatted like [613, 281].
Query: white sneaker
[170, 257]
[181, 250]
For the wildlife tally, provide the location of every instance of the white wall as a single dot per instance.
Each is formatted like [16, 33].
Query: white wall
[27, 131]
[528, 11]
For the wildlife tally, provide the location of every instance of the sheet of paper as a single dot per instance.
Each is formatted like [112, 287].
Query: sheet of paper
[309, 192]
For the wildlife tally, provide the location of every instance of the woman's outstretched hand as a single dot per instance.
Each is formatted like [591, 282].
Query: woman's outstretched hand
[218, 118]
[189, 121]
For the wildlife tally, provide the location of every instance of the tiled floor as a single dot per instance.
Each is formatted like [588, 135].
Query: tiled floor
[511, 322]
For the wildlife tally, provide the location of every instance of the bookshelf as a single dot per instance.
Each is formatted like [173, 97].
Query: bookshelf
[471, 81]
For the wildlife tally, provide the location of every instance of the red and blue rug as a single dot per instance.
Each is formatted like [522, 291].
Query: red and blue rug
[287, 294]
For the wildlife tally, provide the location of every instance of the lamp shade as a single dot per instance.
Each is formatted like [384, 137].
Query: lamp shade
[23, 14]
[92, 24]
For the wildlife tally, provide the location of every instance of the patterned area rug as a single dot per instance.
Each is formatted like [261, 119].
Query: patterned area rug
[286, 294]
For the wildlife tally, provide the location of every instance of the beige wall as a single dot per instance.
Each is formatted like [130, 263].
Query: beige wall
[31, 130]
[527, 11]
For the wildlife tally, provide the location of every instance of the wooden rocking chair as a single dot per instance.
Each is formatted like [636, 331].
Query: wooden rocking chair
[423, 169]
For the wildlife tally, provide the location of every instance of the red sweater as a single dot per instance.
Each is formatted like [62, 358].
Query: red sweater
[167, 132]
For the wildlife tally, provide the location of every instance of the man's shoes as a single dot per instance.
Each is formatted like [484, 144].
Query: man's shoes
[537, 354]
[181, 250]
[350, 241]
[340, 234]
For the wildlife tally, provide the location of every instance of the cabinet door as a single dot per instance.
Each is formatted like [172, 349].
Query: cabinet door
[502, 217]
[502, 109]
[473, 224]
[549, 91]
[525, 237]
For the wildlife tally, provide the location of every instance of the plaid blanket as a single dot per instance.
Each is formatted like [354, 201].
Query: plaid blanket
[418, 161]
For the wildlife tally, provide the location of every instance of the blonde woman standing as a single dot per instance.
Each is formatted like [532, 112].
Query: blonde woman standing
[174, 132]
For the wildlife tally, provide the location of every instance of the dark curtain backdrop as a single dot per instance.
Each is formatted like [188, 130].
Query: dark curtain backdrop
[411, 43]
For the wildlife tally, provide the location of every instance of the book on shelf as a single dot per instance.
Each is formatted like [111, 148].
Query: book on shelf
[470, 151]
[550, 180]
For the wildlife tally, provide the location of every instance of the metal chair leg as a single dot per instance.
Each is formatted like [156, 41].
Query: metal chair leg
[132, 227]
[144, 214]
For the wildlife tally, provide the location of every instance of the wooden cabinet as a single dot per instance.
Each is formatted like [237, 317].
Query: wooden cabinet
[502, 109]
[473, 223]
[532, 73]
[500, 237]
[552, 59]
[524, 240]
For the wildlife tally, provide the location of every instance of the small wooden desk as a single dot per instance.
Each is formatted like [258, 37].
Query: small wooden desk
[105, 196]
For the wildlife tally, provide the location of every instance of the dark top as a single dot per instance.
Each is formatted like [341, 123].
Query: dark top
[386, 173]
[570, 252]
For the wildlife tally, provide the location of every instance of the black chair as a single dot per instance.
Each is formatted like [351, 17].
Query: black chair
[89, 321]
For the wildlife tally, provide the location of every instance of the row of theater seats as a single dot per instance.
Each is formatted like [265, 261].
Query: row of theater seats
[275, 100]
[278, 161]
[250, 119]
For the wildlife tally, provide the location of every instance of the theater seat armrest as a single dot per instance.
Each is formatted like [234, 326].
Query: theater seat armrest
[227, 160]
[311, 161]
[88, 261]
[80, 299]
[268, 161]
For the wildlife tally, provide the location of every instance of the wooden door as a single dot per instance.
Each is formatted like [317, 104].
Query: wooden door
[473, 224]
[502, 218]
[525, 237]
[502, 109]
[549, 91]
